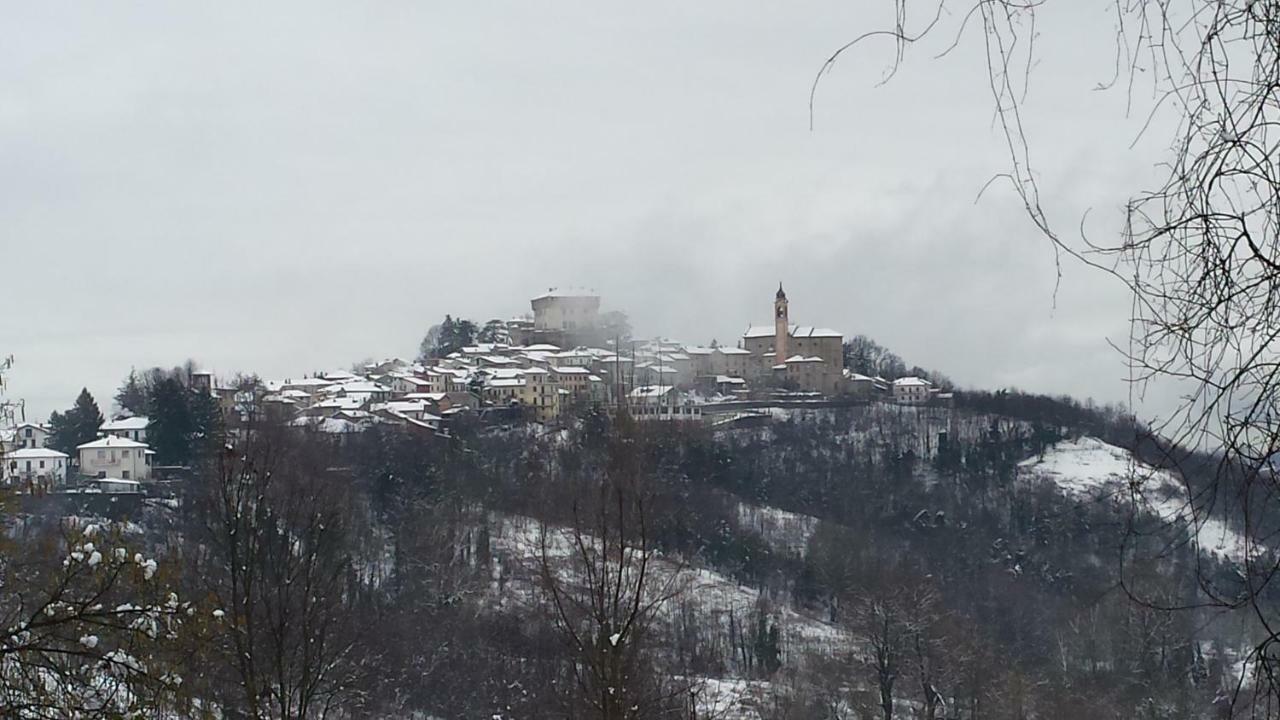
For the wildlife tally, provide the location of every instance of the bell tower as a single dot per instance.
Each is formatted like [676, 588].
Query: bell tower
[781, 326]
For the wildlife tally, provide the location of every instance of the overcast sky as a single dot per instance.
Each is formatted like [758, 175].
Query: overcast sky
[288, 187]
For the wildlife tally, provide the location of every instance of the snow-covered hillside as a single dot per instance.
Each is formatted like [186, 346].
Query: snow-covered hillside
[786, 531]
[517, 547]
[1090, 469]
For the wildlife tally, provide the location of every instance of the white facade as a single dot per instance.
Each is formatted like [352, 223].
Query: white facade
[28, 435]
[115, 457]
[651, 402]
[42, 466]
[565, 311]
[115, 485]
[132, 428]
[911, 391]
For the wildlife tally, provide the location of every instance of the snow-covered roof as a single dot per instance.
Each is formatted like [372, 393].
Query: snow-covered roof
[111, 441]
[402, 406]
[130, 423]
[360, 386]
[729, 380]
[542, 347]
[505, 372]
[279, 398]
[803, 359]
[650, 391]
[340, 403]
[114, 481]
[33, 453]
[429, 396]
[795, 331]
[312, 382]
[505, 382]
[571, 370]
[336, 426]
[911, 382]
[732, 351]
[567, 293]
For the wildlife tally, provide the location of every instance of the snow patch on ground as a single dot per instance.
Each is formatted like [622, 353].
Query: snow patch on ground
[731, 699]
[1091, 469]
[517, 543]
[784, 530]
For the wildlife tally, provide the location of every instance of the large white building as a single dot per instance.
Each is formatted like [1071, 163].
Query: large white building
[565, 310]
[34, 466]
[912, 391]
[115, 457]
[25, 435]
[131, 428]
[806, 357]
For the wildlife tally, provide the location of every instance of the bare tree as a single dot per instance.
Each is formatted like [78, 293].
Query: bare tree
[91, 636]
[1199, 250]
[277, 529]
[928, 648]
[607, 588]
[880, 620]
[87, 628]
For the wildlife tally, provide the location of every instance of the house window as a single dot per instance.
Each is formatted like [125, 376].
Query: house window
[124, 475]
[41, 464]
[124, 453]
[102, 454]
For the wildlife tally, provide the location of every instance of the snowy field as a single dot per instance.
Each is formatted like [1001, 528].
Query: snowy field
[1090, 469]
[516, 547]
[786, 531]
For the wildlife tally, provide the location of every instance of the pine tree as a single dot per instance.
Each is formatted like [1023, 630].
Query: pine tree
[183, 421]
[76, 426]
[172, 426]
[448, 337]
[131, 398]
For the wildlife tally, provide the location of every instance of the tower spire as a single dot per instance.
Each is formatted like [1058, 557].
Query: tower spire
[781, 326]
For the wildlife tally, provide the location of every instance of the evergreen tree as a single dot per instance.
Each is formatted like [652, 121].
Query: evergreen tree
[464, 334]
[76, 426]
[430, 343]
[447, 341]
[183, 421]
[172, 424]
[494, 331]
[131, 398]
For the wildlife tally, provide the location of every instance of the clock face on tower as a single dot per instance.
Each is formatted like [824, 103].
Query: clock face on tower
[782, 311]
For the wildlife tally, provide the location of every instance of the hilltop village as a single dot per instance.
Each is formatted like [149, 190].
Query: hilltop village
[562, 358]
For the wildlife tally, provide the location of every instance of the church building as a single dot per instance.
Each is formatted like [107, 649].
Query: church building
[800, 357]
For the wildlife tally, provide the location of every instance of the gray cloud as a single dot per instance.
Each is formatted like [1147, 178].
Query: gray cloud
[287, 188]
